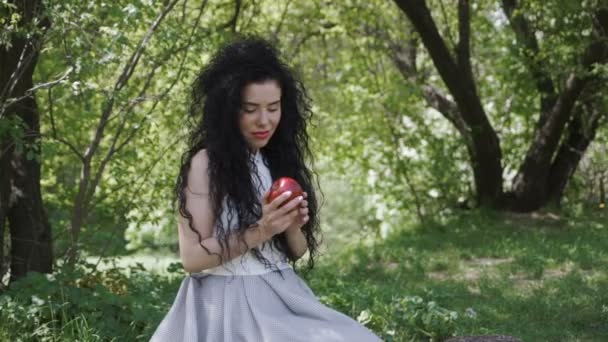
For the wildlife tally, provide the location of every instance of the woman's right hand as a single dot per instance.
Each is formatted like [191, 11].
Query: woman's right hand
[276, 218]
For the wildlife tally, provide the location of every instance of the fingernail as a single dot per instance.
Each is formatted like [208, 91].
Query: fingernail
[300, 198]
[288, 193]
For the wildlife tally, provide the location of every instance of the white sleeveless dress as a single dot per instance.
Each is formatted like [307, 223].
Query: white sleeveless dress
[245, 301]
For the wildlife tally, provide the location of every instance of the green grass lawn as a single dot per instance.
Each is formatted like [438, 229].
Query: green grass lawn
[537, 278]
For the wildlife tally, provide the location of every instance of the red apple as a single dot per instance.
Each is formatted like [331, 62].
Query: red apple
[284, 184]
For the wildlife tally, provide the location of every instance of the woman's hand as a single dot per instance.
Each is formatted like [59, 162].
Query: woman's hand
[302, 217]
[276, 220]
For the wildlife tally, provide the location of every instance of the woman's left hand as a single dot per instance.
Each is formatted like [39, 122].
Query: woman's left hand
[302, 216]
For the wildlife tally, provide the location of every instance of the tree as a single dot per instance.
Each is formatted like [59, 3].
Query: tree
[108, 71]
[21, 203]
[570, 109]
[125, 63]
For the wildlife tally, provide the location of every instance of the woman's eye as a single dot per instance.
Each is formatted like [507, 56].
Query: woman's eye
[249, 110]
[273, 109]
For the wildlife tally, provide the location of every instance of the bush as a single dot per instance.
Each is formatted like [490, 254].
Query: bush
[411, 318]
[85, 304]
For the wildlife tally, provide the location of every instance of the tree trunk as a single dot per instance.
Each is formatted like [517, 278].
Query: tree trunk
[31, 242]
[5, 190]
[531, 185]
[571, 152]
[602, 191]
[542, 177]
[29, 228]
[456, 73]
[547, 165]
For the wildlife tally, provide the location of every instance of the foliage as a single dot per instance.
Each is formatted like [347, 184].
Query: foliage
[85, 304]
[500, 273]
[375, 124]
[387, 163]
[476, 274]
[413, 318]
[425, 319]
[88, 50]
[405, 159]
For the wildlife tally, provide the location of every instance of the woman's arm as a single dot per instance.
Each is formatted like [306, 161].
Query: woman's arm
[295, 237]
[296, 242]
[194, 257]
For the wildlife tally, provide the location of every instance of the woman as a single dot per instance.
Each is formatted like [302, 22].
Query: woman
[235, 243]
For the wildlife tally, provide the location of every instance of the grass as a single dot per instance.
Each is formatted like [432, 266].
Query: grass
[537, 278]
[540, 279]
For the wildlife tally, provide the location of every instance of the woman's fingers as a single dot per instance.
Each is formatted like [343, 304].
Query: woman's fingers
[277, 202]
[265, 197]
[283, 213]
[288, 220]
[290, 206]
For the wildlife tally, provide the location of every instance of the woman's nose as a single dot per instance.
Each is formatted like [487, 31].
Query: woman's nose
[263, 117]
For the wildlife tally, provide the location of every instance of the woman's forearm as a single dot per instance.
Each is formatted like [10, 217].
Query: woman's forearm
[196, 259]
[296, 241]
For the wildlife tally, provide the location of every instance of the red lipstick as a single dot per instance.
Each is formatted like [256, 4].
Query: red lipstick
[261, 134]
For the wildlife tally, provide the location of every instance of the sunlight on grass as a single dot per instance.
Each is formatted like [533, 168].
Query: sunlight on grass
[479, 274]
[536, 278]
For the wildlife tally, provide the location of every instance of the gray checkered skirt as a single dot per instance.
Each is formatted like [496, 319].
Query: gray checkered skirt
[271, 307]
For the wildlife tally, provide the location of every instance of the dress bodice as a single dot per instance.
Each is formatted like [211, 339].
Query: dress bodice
[248, 264]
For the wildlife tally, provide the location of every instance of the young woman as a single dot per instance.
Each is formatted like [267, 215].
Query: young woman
[237, 245]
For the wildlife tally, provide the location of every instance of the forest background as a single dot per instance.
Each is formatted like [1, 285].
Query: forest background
[461, 148]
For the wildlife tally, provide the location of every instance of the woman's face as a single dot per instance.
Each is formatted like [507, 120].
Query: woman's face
[260, 113]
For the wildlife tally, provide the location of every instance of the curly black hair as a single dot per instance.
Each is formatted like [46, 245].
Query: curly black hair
[215, 106]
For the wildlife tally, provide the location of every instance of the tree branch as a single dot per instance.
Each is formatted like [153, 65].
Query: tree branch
[572, 149]
[532, 178]
[484, 149]
[32, 90]
[461, 87]
[277, 30]
[123, 79]
[437, 100]
[235, 17]
[404, 56]
[447, 32]
[136, 188]
[547, 136]
[25, 59]
[526, 38]
[115, 147]
[134, 60]
[84, 187]
[54, 134]
[302, 41]
[463, 49]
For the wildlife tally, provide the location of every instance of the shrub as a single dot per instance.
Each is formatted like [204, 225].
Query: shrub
[85, 304]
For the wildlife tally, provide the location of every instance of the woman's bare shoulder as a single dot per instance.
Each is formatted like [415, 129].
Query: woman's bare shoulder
[200, 160]
[198, 178]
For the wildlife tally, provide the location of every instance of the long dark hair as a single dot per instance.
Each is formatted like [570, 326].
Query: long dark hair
[215, 106]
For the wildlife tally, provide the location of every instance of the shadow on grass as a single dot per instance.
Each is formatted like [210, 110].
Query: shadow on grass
[535, 278]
